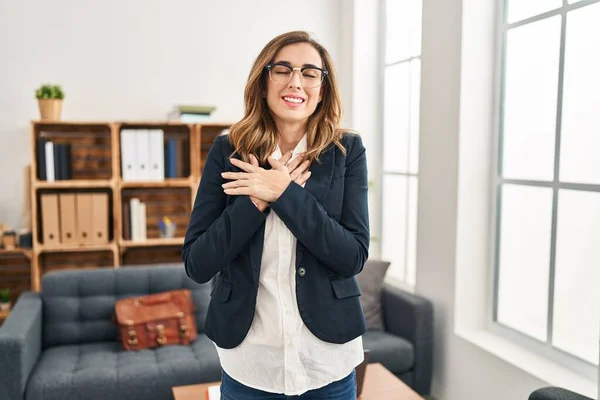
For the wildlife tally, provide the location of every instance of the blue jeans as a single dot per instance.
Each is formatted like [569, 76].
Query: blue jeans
[344, 389]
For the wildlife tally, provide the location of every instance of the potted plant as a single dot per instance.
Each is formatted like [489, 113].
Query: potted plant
[4, 299]
[50, 98]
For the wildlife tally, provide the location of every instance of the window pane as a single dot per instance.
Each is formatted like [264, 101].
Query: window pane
[580, 138]
[396, 119]
[521, 9]
[403, 29]
[411, 259]
[531, 84]
[415, 99]
[526, 214]
[398, 241]
[577, 274]
[401, 117]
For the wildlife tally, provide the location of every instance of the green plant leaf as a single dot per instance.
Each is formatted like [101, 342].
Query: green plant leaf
[48, 91]
[4, 295]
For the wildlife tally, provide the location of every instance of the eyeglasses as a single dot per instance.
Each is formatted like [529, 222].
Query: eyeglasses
[282, 73]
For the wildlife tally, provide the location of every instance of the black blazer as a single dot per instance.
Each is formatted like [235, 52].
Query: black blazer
[329, 217]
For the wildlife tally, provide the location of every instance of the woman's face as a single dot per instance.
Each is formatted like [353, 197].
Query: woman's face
[294, 102]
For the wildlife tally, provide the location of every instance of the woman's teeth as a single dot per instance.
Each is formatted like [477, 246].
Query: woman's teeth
[293, 100]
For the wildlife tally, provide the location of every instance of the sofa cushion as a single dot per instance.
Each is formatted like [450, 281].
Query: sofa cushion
[393, 352]
[370, 281]
[79, 304]
[104, 371]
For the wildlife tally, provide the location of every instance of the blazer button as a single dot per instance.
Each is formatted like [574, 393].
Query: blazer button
[301, 271]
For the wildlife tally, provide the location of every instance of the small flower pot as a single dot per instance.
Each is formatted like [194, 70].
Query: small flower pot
[9, 240]
[50, 109]
[5, 306]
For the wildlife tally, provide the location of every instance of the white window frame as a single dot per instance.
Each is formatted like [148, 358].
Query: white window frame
[403, 282]
[543, 349]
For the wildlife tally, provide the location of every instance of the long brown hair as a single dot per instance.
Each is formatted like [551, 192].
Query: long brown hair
[256, 132]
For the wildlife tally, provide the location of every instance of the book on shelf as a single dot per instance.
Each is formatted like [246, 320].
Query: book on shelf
[142, 156]
[74, 218]
[146, 156]
[54, 160]
[177, 163]
[194, 118]
[191, 113]
[134, 220]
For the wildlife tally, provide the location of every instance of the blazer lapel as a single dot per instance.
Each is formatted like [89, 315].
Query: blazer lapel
[321, 175]
[318, 184]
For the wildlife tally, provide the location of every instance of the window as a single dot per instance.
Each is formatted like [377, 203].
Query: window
[547, 222]
[402, 81]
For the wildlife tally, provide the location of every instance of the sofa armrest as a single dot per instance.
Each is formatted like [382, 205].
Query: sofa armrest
[411, 317]
[20, 345]
[556, 393]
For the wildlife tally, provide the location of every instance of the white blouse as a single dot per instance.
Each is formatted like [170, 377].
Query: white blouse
[279, 354]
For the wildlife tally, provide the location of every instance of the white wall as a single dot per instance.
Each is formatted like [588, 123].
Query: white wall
[365, 101]
[135, 59]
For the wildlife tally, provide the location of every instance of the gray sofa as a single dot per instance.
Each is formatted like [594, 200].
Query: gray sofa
[61, 343]
[556, 393]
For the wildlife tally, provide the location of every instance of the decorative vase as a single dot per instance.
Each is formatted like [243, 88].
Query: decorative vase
[50, 109]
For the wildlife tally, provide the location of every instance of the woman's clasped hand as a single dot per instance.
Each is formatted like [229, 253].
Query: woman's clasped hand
[264, 186]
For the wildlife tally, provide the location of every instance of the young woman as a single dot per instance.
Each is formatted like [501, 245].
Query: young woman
[281, 223]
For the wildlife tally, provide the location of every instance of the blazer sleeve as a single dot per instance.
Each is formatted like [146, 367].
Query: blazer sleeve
[216, 234]
[343, 245]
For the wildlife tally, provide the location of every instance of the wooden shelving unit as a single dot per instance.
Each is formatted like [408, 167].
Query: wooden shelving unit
[125, 244]
[75, 248]
[96, 166]
[74, 184]
[3, 316]
[17, 250]
[174, 182]
[15, 273]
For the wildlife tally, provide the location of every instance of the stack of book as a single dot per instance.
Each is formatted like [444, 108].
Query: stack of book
[191, 113]
[53, 161]
[134, 220]
[147, 156]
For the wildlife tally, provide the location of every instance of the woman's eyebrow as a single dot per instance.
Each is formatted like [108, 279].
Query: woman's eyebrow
[290, 64]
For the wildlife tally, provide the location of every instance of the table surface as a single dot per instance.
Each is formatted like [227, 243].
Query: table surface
[379, 384]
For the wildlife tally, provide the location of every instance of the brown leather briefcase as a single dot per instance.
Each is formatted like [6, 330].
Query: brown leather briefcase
[156, 320]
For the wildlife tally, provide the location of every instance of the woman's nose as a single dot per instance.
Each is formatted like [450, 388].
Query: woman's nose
[296, 80]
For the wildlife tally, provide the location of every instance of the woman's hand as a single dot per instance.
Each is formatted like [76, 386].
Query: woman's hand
[265, 185]
[260, 204]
